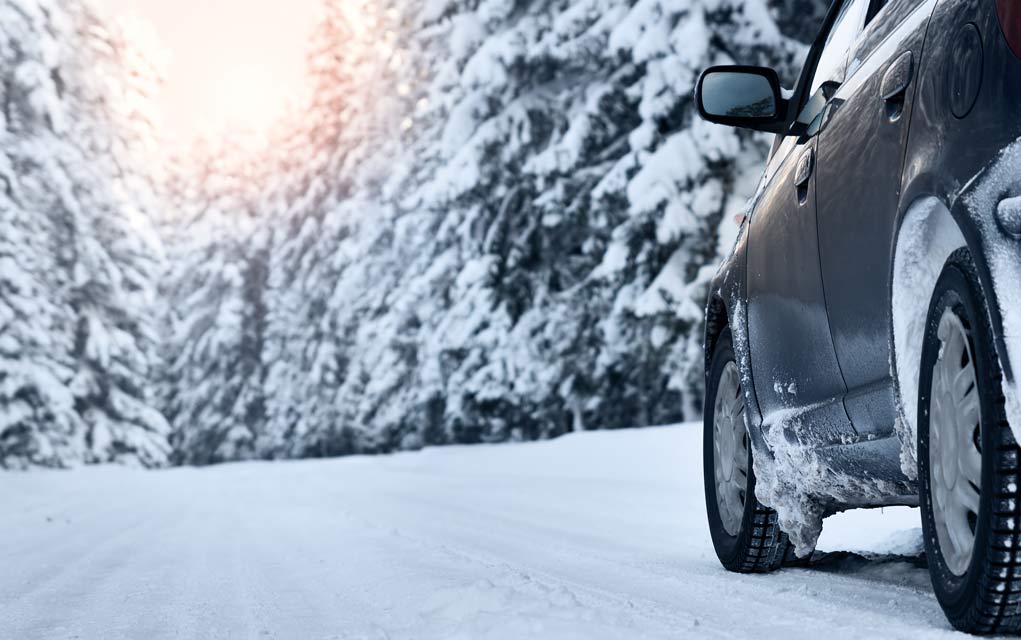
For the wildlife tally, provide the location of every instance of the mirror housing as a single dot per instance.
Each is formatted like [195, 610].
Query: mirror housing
[742, 96]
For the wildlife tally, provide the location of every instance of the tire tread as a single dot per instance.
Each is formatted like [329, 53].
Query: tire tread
[996, 604]
[761, 545]
[999, 609]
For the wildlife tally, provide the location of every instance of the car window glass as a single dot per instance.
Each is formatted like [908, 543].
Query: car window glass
[834, 54]
[890, 15]
[874, 8]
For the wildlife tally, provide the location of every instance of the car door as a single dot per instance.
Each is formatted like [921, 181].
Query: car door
[793, 361]
[794, 364]
[860, 149]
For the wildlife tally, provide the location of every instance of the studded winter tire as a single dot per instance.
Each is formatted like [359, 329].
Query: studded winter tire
[967, 461]
[745, 533]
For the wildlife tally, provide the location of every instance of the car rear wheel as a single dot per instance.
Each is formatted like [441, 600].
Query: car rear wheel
[967, 461]
[745, 533]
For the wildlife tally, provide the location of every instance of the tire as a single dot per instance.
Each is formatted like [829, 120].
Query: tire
[754, 542]
[979, 590]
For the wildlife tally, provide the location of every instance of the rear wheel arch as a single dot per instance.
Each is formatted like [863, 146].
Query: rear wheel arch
[927, 236]
[928, 233]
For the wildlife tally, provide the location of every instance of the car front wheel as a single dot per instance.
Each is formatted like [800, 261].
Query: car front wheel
[967, 461]
[745, 533]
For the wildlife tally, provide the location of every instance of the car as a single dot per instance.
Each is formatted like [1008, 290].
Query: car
[863, 337]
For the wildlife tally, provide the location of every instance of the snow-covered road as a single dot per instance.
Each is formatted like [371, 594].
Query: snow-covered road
[597, 535]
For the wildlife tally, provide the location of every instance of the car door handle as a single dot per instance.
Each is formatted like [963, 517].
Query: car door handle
[803, 175]
[894, 89]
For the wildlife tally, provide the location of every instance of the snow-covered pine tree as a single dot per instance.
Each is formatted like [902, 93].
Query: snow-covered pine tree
[548, 272]
[212, 387]
[77, 340]
[499, 220]
[332, 250]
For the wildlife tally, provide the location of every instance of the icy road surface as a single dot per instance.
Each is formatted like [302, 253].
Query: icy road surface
[597, 535]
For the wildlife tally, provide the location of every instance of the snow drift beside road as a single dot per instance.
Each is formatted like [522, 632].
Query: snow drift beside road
[595, 535]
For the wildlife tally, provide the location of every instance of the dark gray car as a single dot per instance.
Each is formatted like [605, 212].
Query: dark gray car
[860, 339]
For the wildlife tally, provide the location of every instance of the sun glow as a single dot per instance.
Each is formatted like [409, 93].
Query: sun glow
[248, 99]
[232, 66]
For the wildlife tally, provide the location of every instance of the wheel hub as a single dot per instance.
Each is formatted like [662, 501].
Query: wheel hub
[730, 449]
[955, 459]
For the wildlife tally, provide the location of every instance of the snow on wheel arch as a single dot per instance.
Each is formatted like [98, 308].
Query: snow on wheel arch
[993, 194]
[927, 236]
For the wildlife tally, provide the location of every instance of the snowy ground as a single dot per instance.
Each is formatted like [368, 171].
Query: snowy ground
[599, 535]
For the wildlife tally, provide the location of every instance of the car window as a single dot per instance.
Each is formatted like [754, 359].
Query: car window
[874, 8]
[845, 29]
[888, 16]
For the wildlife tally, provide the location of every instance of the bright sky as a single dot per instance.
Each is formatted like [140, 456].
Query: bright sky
[232, 63]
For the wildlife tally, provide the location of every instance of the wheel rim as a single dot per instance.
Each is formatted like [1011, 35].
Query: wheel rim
[955, 456]
[730, 449]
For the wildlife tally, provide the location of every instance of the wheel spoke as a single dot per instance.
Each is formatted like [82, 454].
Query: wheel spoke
[970, 464]
[967, 498]
[968, 414]
[730, 449]
[964, 381]
[737, 404]
[741, 462]
[960, 540]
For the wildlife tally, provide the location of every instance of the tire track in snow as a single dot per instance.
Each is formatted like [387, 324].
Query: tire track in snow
[65, 583]
[804, 595]
[512, 572]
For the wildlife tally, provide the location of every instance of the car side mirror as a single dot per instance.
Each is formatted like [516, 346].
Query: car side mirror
[742, 96]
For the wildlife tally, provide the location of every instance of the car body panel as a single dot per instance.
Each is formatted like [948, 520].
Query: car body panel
[861, 150]
[793, 361]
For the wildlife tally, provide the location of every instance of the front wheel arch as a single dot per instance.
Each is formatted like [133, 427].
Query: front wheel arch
[759, 544]
[716, 321]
